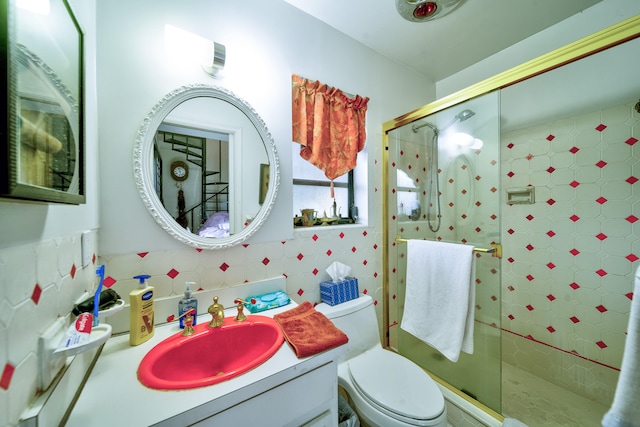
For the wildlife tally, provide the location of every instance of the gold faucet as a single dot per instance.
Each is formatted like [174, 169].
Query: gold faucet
[241, 316]
[216, 311]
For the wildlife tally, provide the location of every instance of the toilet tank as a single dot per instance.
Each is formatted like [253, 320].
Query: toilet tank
[356, 318]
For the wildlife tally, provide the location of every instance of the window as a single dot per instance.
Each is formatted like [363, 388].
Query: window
[408, 196]
[328, 131]
[312, 190]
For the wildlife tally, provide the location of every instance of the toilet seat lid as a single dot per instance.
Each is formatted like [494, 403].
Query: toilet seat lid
[396, 384]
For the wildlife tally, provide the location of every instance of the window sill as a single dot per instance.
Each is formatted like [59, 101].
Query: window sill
[324, 221]
[299, 229]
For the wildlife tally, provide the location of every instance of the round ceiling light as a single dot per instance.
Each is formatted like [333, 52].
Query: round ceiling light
[424, 10]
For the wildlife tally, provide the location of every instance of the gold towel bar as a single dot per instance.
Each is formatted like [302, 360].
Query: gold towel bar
[495, 250]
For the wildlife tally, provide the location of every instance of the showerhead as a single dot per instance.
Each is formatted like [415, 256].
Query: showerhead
[461, 116]
[425, 10]
[464, 115]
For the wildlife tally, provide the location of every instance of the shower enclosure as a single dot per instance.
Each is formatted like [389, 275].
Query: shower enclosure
[543, 159]
[443, 181]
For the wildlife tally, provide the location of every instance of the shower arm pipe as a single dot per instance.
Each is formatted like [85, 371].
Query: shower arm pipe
[495, 250]
[416, 128]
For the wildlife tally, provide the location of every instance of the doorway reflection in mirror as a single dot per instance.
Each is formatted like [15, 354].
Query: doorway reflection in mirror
[203, 193]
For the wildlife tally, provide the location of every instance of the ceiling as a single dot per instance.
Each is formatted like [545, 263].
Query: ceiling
[475, 30]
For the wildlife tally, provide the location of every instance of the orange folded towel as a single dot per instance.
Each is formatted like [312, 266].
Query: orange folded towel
[308, 331]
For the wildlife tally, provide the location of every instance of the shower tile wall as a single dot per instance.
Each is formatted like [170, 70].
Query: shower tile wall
[470, 215]
[569, 259]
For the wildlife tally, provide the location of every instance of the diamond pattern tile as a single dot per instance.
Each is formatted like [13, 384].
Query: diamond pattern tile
[566, 272]
[7, 374]
[35, 295]
[45, 278]
[588, 219]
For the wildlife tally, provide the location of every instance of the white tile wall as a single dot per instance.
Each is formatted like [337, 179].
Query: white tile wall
[303, 260]
[38, 283]
[42, 281]
[569, 259]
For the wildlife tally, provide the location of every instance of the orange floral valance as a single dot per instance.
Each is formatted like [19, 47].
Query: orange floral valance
[328, 124]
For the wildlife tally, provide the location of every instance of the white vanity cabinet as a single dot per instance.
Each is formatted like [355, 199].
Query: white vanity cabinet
[308, 400]
[283, 391]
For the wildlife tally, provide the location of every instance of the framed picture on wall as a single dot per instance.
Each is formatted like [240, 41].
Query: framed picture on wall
[42, 157]
[157, 177]
[264, 182]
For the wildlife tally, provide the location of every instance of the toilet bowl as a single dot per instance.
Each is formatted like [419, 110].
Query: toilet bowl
[386, 389]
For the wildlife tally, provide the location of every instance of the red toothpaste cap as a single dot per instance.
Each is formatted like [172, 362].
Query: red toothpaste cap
[84, 322]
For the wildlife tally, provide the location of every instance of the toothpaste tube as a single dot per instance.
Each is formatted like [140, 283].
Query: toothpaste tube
[78, 333]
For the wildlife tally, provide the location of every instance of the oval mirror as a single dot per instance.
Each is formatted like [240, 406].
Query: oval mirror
[206, 167]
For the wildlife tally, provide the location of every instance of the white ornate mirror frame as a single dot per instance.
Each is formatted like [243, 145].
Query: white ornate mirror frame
[143, 167]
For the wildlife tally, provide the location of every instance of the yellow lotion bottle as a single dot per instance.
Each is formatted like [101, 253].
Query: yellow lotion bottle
[141, 301]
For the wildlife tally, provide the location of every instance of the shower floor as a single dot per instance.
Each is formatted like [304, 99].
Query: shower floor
[539, 403]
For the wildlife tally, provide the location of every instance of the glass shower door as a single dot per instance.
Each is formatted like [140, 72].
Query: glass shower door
[461, 206]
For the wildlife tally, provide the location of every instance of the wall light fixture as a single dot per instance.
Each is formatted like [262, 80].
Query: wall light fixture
[188, 49]
[218, 56]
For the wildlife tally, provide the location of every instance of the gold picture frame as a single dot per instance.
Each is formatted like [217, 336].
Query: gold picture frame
[264, 183]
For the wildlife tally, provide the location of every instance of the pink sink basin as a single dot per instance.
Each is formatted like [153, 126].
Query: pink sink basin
[210, 355]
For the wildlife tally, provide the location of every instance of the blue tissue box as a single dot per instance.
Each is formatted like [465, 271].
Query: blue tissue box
[333, 293]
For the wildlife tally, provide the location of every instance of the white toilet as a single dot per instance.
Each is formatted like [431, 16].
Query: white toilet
[386, 389]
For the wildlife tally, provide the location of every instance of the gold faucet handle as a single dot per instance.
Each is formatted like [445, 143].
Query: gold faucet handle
[188, 324]
[216, 311]
[240, 306]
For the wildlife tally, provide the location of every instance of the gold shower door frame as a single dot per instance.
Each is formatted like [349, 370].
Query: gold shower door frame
[470, 214]
[612, 36]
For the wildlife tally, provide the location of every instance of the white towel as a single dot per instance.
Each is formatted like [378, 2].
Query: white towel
[440, 296]
[625, 410]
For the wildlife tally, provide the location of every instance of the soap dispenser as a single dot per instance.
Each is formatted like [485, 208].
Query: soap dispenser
[142, 312]
[188, 303]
